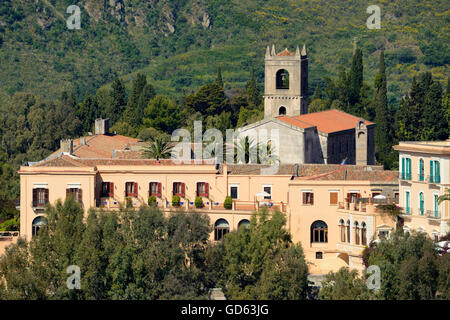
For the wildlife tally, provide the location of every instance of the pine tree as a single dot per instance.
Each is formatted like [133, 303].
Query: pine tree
[382, 140]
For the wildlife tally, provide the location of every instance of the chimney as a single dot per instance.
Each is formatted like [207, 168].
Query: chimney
[82, 141]
[66, 146]
[101, 126]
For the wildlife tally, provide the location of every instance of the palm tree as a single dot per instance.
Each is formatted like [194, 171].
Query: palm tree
[158, 149]
[444, 196]
[250, 149]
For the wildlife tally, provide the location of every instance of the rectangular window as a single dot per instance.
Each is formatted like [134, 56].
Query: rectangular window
[333, 198]
[131, 189]
[108, 189]
[353, 196]
[40, 197]
[407, 203]
[234, 192]
[178, 189]
[76, 193]
[268, 189]
[155, 189]
[396, 197]
[202, 189]
[308, 198]
[319, 255]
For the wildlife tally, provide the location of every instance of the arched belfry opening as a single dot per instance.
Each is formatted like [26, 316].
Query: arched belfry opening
[282, 79]
[282, 111]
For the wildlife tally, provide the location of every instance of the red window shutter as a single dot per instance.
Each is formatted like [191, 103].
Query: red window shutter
[174, 190]
[46, 195]
[348, 197]
[207, 190]
[111, 189]
[199, 194]
[35, 197]
[312, 198]
[80, 195]
[135, 189]
[159, 189]
[182, 189]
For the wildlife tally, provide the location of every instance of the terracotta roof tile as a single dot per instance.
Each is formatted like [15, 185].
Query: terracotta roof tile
[286, 53]
[333, 120]
[295, 122]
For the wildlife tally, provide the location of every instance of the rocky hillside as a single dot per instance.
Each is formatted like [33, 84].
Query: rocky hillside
[180, 43]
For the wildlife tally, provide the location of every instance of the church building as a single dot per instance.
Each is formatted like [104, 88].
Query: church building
[328, 137]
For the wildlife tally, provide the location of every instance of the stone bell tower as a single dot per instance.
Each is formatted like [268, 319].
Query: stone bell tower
[286, 82]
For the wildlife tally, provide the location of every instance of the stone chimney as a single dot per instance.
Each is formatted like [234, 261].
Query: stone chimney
[66, 146]
[82, 141]
[101, 126]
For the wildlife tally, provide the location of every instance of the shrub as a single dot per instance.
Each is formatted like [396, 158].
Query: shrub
[152, 201]
[199, 202]
[129, 203]
[175, 201]
[228, 203]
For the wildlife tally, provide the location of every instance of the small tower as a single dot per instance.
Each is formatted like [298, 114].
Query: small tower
[286, 82]
[361, 136]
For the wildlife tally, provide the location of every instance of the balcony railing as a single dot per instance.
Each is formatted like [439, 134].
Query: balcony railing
[434, 179]
[405, 176]
[433, 214]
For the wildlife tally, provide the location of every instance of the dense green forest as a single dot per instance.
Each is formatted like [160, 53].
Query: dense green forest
[178, 43]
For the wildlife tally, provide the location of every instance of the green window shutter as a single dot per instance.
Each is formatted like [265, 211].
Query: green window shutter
[431, 171]
[403, 168]
[436, 171]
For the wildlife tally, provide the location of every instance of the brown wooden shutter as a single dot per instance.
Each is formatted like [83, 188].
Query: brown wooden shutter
[80, 195]
[111, 189]
[46, 196]
[333, 198]
[67, 193]
[348, 197]
[174, 188]
[312, 198]
[182, 189]
[304, 197]
[207, 190]
[159, 189]
[35, 197]
[135, 189]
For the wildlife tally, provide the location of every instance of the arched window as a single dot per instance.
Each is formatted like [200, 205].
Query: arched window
[319, 232]
[38, 222]
[356, 232]
[421, 204]
[221, 228]
[282, 79]
[244, 223]
[342, 230]
[282, 111]
[363, 234]
[347, 228]
[421, 170]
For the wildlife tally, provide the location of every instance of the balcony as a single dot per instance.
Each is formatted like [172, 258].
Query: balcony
[434, 179]
[405, 176]
[433, 214]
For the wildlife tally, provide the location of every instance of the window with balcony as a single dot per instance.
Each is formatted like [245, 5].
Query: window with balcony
[406, 169]
[268, 189]
[202, 189]
[308, 198]
[155, 189]
[131, 189]
[421, 170]
[40, 197]
[435, 174]
[407, 202]
[421, 203]
[178, 189]
[107, 189]
[234, 191]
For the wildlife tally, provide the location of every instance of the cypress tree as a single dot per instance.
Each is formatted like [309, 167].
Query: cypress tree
[253, 95]
[118, 101]
[219, 79]
[356, 77]
[382, 140]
